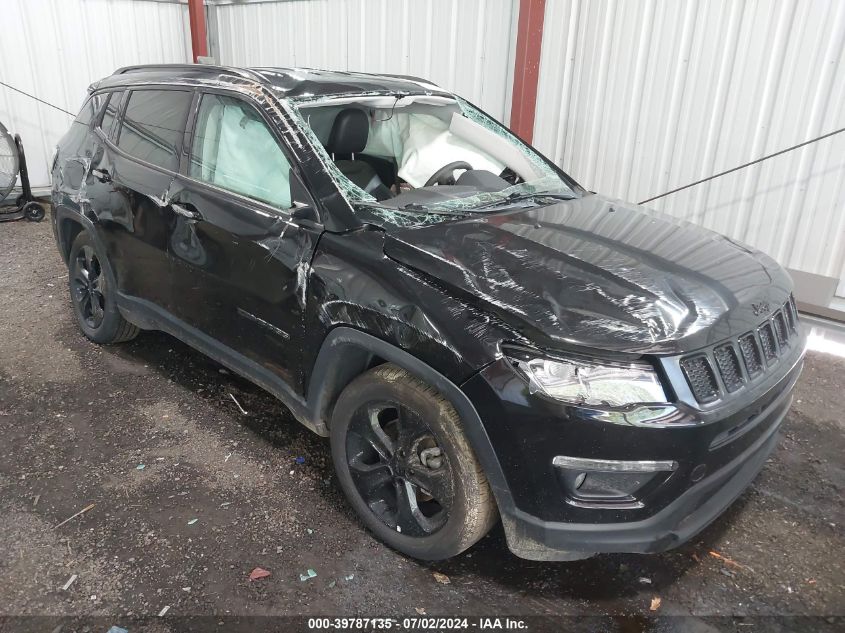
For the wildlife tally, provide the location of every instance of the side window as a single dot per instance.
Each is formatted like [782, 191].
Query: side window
[110, 113]
[153, 125]
[234, 149]
[90, 109]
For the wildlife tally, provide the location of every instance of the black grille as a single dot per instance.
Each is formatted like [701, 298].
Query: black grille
[728, 365]
[767, 340]
[779, 321]
[700, 377]
[750, 354]
[791, 314]
[758, 356]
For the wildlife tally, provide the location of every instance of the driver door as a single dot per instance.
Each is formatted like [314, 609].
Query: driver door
[240, 257]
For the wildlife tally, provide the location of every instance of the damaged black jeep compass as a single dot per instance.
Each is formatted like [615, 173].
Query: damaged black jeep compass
[478, 335]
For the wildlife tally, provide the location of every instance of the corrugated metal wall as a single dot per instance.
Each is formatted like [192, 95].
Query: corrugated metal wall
[637, 98]
[467, 46]
[55, 48]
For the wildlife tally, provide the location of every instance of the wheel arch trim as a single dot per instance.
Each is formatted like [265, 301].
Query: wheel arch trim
[63, 216]
[346, 352]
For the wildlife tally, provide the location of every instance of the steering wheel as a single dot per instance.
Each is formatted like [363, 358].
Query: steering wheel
[444, 175]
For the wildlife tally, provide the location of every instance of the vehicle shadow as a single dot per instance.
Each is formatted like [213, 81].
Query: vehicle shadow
[604, 577]
[206, 379]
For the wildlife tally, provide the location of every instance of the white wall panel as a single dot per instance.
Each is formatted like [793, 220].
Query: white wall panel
[464, 46]
[637, 98]
[55, 49]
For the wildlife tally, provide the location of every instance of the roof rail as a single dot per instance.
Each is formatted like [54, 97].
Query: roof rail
[241, 72]
[418, 80]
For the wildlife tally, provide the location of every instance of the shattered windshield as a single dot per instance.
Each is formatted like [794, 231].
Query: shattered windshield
[424, 155]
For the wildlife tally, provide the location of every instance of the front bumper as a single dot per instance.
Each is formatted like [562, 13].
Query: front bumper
[533, 538]
[542, 523]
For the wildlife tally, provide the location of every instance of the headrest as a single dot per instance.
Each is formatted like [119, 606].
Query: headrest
[349, 132]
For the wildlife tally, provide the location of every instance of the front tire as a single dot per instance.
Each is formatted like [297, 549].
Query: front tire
[406, 465]
[92, 294]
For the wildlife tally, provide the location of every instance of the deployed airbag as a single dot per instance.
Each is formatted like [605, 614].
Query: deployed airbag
[239, 153]
[421, 144]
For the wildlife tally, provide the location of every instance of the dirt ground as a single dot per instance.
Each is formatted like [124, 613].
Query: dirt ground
[189, 495]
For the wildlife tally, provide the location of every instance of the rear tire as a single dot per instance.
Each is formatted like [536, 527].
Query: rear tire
[92, 294]
[406, 466]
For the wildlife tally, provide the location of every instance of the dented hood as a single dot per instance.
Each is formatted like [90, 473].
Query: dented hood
[599, 273]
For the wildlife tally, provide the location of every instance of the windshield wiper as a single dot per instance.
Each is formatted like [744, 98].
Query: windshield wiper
[442, 209]
[516, 197]
[412, 207]
[434, 209]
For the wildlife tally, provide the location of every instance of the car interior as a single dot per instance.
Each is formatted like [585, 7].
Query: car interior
[417, 149]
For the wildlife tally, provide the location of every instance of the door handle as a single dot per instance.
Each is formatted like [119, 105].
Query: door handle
[185, 212]
[102, 175]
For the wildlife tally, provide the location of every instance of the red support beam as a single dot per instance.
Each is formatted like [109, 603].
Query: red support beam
[196, 17]
[526, 71]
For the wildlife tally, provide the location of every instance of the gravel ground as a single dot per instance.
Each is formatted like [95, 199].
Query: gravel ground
[190, 495]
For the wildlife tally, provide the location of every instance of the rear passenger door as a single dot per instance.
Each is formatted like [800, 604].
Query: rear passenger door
[140, 168]
[241, 258]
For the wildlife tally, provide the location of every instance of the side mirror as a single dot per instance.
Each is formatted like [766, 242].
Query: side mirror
[298, 192]
[302, 211]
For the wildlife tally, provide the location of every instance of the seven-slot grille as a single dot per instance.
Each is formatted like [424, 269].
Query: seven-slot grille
[710, 376]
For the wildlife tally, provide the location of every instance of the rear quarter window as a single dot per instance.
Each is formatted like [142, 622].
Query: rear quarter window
[110, 113]
[78, 139]
[153, 124]
[90, 109]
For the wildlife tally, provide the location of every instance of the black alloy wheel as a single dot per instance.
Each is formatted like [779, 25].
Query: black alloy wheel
[88, 286]
[406, 466]
[400, 472]
[91, 284]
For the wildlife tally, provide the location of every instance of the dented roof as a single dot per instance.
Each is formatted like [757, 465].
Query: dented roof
[292, 82]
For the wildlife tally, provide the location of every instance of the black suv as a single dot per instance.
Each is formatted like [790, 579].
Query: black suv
[478, 335]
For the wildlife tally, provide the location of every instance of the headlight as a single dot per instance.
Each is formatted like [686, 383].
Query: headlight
[581, 382]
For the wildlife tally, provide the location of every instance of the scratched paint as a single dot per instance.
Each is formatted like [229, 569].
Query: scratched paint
[286, 296]
[582, 290]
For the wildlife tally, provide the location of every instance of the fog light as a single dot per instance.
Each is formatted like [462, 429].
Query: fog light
[595, 483]
[621, 486]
